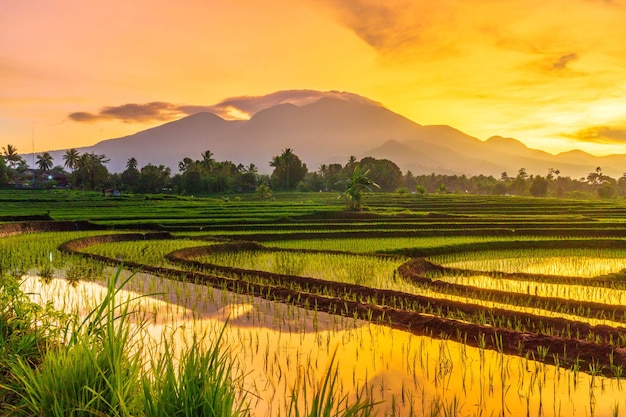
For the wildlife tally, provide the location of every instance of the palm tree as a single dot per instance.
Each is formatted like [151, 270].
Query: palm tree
[252, 169]
[11, 155]
[358, 184]
[131, 164]
[351, 164]
[44, 161]
[71, 158]
[288, 170]
[185, 164]
[207, 160]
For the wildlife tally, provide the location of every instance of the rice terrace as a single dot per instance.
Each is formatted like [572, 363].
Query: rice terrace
[433, 305]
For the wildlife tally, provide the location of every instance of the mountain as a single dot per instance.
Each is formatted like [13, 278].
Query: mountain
[331, 129]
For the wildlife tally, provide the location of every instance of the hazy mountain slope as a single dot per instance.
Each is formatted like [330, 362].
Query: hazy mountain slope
[169, 143]
[330, 130]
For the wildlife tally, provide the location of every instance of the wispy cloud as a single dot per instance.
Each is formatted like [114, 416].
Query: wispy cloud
[561, 62]
[131, 113]
[396, 27]
[247, 106]
[555, 64]
[242, 107]
[600, 134]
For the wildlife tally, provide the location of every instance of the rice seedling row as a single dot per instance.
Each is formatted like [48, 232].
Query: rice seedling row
[347, 300]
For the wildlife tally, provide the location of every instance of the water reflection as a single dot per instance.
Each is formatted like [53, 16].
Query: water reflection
[279, 346]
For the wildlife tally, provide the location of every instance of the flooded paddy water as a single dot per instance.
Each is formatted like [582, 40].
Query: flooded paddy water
[279, 347]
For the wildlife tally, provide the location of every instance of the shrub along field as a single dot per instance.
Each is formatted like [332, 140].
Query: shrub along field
[519, 301]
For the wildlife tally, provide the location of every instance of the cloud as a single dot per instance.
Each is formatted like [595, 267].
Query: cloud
[396, 26]
[247, 106]
[600, 134]
[555, 64]
[242, 107]
[426, 30]
[561, 63]
[131, 112]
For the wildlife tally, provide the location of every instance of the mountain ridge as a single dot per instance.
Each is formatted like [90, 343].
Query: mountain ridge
[330, 129]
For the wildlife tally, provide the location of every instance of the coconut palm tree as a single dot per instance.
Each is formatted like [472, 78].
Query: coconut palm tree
[11, 156]
[131, 164]
[288, 170]
[207, 161]
[349, 167]
[44, 161]
[71, 158]
[357, 186]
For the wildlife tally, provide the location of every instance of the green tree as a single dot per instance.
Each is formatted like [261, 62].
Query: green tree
[519, 185]
[247, 178]
[539, 187]
[44, 161]
[263, 191]
[130, 177]
[288, 170]
[409, 181]
[4, 173]
[71, 159]
[90, 172]
[207, 161]
[357, 185]
[349, 167]
[152, 178]
[330, 175]
[384, 172]
[186, 164]
[596, 178]
[606, 191]
[11, 156]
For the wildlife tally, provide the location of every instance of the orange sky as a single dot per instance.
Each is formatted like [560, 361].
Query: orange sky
[551, 73]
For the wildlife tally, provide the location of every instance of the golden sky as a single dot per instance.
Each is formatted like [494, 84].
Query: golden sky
[551, 73]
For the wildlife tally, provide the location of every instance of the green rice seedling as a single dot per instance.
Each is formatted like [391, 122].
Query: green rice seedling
[377, 272]
[386, 244]
[327, 400]
[78, 269]
[150, 252]
[564, 262]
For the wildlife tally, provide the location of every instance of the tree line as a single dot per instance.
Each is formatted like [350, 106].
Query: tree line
[206, 175]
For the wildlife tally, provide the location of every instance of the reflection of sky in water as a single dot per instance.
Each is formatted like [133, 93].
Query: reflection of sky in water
[600, 295]
[277, 345]
[574, 266]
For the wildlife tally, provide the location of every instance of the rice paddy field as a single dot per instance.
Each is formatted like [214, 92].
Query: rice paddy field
[443, 305]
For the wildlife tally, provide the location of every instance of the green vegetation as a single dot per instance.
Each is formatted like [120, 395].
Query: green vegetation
[206, 176]
[96, 369]
[536, 279]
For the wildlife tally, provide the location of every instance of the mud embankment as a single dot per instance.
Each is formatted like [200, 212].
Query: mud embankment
[381, 306]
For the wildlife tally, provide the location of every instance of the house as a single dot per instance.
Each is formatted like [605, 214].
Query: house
[37, 178]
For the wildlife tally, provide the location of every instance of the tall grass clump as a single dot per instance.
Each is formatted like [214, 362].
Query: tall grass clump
[93, 374]
[26, 332]
[201, 384]
[98, 369]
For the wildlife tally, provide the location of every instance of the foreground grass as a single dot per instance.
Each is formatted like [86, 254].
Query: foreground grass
[57, 365]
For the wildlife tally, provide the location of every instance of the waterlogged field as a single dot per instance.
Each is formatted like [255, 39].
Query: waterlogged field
[279, 347]
[435, 306]
[147, 252]
[571, 262]
[387, 244]
[377, 272]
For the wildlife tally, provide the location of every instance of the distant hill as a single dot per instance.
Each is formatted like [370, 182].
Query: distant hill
[331, 129]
